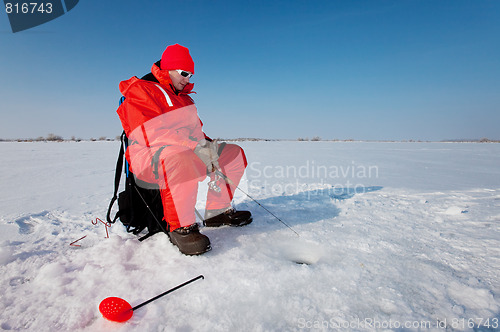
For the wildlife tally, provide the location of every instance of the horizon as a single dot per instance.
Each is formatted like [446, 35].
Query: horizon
[57, 138]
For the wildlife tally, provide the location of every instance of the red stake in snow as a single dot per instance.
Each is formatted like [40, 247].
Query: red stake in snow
[77, 245]
[106, 225]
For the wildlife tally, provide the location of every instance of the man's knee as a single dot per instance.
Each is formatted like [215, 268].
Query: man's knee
[231, 152]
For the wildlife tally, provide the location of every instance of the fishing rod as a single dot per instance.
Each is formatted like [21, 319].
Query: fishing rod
[228, 180]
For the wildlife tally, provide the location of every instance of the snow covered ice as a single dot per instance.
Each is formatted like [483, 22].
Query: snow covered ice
[393, 236]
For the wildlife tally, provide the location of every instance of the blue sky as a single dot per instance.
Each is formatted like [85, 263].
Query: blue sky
[389, 69]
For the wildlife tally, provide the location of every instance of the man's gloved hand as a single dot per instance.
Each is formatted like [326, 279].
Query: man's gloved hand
[207, 152]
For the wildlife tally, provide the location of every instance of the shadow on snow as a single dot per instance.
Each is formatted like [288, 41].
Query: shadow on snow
[301, 208]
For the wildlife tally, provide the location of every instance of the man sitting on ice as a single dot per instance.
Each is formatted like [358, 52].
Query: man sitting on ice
[167, 146]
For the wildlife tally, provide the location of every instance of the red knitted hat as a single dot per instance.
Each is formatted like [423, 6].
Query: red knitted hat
[177, 57]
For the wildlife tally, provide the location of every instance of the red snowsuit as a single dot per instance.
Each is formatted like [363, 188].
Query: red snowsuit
[163, 129]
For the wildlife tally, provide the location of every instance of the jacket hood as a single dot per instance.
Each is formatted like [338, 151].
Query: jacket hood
[124, 86]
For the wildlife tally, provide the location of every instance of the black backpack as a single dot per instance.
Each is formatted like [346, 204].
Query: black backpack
[139, 205]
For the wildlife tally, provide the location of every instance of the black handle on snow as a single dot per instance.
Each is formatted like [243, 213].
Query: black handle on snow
[167, 292]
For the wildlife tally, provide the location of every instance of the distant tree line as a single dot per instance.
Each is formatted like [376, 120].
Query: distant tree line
[57, 138]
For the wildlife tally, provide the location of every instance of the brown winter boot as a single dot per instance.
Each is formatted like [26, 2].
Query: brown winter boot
[189, 240]
[231, 217]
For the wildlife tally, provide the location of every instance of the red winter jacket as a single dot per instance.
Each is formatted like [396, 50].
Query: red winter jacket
[154, 115]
